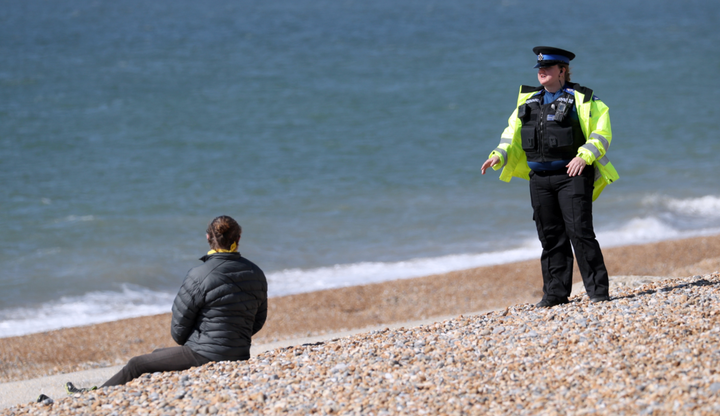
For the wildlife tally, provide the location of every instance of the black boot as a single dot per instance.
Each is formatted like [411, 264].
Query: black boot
[545, 303]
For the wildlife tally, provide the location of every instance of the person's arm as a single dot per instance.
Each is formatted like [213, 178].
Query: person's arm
[499, 156]
[185, 309]
[260, 317]
[598, 140]
[599, 135]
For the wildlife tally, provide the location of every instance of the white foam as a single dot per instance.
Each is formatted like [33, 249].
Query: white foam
[96, 307]
[707, 206]
[290, 281]
[298, 281]
[669, 218]
[105, 306]
[638, 231]
[90, 308]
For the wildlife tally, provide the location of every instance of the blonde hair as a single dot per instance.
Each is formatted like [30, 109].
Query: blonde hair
[567, 71]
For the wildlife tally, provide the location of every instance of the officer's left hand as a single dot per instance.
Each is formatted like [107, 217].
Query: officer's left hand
[576, 166]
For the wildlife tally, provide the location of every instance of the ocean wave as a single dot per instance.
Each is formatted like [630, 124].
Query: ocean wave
[641, 230]
[131, 301]
[292, 281]
[90, 308]
[666, 218]
[105, 306]
[707, 206]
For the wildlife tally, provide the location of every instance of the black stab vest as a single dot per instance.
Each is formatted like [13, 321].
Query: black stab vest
[543, 138]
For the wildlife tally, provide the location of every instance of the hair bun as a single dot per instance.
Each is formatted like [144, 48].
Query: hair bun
[223, 232]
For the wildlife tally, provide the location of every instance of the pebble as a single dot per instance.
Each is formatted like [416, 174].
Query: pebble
[651, 350]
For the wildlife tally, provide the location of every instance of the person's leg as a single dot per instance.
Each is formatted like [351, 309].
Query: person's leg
[576, 203]
[163, 359]
[557, 257]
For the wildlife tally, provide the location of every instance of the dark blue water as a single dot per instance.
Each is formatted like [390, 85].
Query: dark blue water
[346, 138]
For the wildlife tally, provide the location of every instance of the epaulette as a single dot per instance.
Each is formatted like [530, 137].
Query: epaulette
[524, 89]
[587, 92]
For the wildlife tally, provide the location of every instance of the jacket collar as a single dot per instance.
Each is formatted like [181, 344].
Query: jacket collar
[227, 256]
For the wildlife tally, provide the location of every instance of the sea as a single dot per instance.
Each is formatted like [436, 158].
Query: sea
[346, 137]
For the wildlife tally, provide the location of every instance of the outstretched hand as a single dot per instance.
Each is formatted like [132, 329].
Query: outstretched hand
[489, 163]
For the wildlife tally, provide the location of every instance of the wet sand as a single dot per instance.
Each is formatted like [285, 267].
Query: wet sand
[485, 288]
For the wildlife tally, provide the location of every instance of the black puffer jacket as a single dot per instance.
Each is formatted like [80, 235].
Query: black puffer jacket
[220, 306]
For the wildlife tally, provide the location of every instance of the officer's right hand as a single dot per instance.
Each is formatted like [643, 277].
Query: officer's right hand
[489, 163]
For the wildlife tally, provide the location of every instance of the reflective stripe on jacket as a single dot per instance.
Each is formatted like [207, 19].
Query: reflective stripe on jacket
[595, 122]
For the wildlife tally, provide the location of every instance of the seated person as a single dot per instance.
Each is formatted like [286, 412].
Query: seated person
[220, 306]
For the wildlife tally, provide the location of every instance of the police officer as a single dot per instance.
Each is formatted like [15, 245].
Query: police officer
[558, 137]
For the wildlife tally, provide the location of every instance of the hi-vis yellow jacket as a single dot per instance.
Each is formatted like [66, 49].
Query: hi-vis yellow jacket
[595, 123]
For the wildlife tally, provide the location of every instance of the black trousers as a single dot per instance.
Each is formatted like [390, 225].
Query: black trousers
[162, 359]
[562, 210]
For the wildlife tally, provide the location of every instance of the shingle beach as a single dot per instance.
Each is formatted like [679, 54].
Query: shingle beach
[652, 349]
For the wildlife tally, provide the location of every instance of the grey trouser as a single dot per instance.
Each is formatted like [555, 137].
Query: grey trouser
[162, 359]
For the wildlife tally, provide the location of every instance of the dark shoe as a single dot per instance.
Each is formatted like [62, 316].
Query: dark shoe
[600, 299]
[71, 389]
[44, 399]
[550, 303]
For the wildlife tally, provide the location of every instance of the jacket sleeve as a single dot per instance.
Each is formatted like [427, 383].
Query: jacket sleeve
[186, 307]
[260, 317]
[599, 134]
[504, 147]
